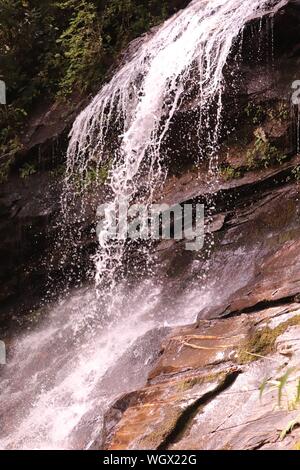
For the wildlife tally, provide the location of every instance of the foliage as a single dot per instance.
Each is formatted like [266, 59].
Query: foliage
[256, 113]
[290, 428]
[262, 342]
[97, 175]
[287, 399]
[4, 170]
[52, 48]
[277, 112]
[263, 153]
[296, 173]
[230, 173]
[92, 177]
[81, 44]
[281, 384]
[27, 169]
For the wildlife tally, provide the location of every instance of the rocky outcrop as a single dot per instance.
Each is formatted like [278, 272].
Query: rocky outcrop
[27, 212]
[227, 384]
[30, 206]
[40, 254]
[230, 381]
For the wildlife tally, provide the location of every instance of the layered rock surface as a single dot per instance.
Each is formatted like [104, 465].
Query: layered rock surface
[204, 393]
[229, 381]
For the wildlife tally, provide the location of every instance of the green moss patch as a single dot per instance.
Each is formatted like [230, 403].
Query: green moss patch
[190, 383]
[158, 436]
[262, 342]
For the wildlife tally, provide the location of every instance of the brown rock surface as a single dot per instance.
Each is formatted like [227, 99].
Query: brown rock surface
[204, 390]
[203, 394]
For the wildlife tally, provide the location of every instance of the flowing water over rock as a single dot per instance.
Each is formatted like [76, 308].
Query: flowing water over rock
[184, 58]
[71, 367]
[62, 376]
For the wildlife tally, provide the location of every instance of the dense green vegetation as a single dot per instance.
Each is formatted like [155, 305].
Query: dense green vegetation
[52, 48]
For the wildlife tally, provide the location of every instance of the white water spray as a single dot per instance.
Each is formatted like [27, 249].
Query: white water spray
[189, 50]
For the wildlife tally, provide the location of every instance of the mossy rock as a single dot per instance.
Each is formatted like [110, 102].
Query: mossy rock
[262, 342]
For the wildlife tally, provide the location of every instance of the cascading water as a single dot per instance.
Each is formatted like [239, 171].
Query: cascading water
[60, 376]
[188, 52]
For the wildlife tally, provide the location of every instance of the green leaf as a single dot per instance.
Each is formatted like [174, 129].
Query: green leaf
[290, 427]
[262, 388]
[282, 383]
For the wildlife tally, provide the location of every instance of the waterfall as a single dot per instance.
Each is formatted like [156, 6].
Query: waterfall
[63, 375]
[136, 108]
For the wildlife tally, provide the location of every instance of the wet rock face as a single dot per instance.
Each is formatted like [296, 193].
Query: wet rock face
[204, 391]
[212, 388]
[230, 381]
[32, 237]
[258, 74]
[256, 233]
[261, 247]
[29, 207]
[216, 384]
[26, 213]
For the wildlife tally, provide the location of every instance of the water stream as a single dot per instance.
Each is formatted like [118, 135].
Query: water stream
[62, 375]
